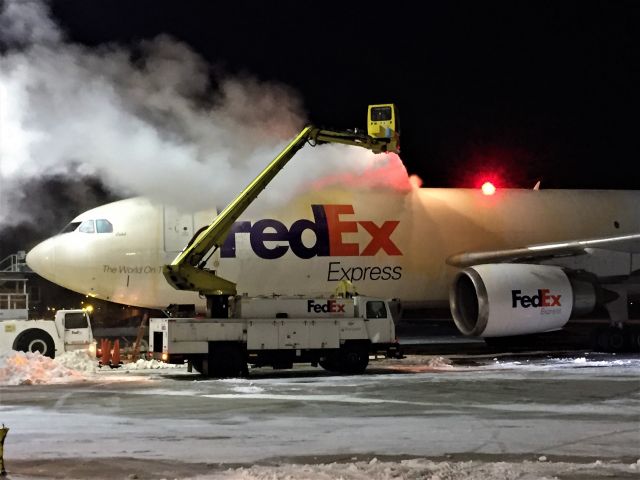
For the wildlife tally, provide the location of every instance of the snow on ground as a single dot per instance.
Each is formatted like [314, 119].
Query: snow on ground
[355, 469]
[20, 368]
[142, 364]
[425, 469]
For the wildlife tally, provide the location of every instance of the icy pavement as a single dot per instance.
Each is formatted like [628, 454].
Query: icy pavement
[519, 417]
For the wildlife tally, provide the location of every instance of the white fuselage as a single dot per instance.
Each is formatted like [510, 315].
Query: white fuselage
[388, 244]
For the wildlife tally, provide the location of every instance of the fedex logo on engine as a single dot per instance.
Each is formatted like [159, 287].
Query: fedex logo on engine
[542, 299]
[328, 225]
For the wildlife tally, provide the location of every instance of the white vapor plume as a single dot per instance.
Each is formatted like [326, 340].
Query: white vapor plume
[144, 121]
[26, 22]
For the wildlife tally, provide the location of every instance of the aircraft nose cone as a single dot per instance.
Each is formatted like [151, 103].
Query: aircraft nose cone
[41, 259]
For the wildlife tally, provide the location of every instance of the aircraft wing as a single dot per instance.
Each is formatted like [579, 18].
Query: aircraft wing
[544, 251]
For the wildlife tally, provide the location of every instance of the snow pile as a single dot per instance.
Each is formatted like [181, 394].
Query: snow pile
[20, 368]
[79, 360]
[426, 469]
[416, 363]
[435, 362]
[534, 364]
[142, 364]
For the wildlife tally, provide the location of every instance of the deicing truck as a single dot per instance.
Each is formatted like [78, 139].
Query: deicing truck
[339, 334]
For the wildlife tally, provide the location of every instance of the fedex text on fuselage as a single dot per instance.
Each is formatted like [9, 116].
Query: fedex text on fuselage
[328, 228]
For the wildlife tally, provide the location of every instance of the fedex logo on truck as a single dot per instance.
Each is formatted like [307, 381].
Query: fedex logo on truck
[328, 228]
[542, 299]
[330, 306]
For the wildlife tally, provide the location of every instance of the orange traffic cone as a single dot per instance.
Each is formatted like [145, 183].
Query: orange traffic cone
[115, 359]
[106, 351]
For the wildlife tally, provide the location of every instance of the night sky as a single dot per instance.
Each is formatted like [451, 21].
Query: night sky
[524, 90]
[521, 91]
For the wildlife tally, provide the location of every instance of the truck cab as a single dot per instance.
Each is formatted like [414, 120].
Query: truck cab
[75, 329]
[70, 330]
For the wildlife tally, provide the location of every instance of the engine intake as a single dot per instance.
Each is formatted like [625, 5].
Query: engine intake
[497, 300]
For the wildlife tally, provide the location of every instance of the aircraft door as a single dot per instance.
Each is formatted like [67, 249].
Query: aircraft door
[178, 229]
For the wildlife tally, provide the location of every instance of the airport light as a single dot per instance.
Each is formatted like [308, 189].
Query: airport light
[488, 188]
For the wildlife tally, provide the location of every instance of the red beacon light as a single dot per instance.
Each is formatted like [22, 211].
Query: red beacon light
[488, 188]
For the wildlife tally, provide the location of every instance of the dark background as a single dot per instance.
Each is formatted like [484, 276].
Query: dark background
[538, 90]
[523, 91]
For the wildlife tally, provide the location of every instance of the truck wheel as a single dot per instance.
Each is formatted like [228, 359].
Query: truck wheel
[354, 358]
[328, 365]
[331, 362]
[227, 361]
[36, 340]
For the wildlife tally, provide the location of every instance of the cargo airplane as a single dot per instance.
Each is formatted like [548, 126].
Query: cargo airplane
[512, 263]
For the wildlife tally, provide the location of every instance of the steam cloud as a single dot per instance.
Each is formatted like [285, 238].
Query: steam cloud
[147, 121]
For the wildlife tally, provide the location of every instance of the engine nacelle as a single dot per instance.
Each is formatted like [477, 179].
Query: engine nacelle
[498, 300]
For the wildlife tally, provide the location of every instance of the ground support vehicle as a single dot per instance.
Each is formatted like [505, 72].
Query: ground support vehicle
[69, 330]
[339, 334]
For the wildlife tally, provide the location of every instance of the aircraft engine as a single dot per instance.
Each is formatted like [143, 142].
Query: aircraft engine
[497, 300]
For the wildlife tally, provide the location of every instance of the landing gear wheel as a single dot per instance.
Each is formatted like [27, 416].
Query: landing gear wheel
[610, 339]
[634, 339]
[37, 341]
[617, 339]
[601, 339]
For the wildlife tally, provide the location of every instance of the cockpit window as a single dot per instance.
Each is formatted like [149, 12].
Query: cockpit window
[87, 227]
[104, 226]
[70, 228]
[90, 226]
